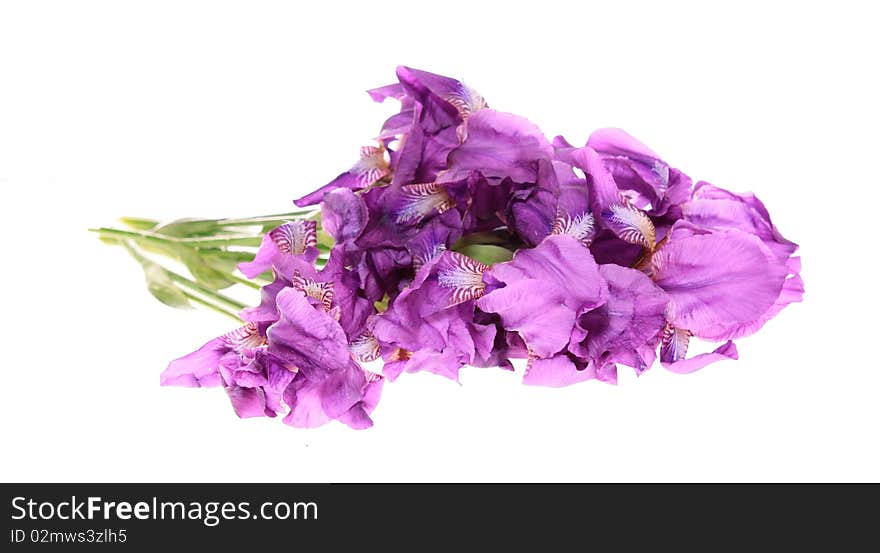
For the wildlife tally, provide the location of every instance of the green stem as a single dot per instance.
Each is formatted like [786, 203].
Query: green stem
[192, 285]
[187, 283]
[146, 236]
[245, 281]
[215, 307]
[264, 219]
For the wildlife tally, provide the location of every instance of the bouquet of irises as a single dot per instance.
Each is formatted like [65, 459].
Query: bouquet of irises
[465, 237]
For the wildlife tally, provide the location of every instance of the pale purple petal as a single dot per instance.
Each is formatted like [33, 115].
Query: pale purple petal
[717, 281]
[199, 368]
[542, 290]
[500, 145]
[556, 372]
[715, 208]
[247, 402]
[306, 337]
[725, 351]
[632, 316]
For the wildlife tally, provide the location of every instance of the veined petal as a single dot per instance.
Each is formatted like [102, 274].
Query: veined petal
[434, 238]
[423, 256]
[466, 100]
[320, 291]
[582, 227]
[418, 200]
[372, 166]
[285, 249]
[245, 337]
[372, 377]
[631, 225]
[365, 348]
[463, 276]
[674, 344]
[295, 237]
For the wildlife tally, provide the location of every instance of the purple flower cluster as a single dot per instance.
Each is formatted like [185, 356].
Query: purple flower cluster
[466, 237]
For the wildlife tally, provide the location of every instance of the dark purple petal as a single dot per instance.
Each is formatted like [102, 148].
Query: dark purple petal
[343, 215]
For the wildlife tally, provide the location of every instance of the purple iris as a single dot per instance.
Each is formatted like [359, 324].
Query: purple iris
[464, 237]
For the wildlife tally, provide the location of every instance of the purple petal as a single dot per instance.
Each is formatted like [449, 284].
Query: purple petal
[372, 166]
[247, 402]
[620, 143]
[544, 289]
[792, 292]
[199, 368]
[603, 189]
[633, 315]
[343, 215]
[500, 145]
[684, 366]
[717, 281]
[630, 224]
[715, 208]
[304, 398]
[287, 248]
[556, 372]
[306, 337]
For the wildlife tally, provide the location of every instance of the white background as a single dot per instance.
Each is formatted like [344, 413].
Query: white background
[171, 109]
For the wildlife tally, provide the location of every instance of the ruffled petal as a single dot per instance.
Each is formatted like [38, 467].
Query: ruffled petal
[199, 368]
[542, 290]
[684, 366]
[307, 337]
[556, 372]
[717, 281]
[501, 145]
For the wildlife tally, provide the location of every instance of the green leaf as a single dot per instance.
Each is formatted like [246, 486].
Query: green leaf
[207, 271]
[162, 287]
[110, 240]
[486, 253]
[138, 223]
[186, 228]
[232, 256]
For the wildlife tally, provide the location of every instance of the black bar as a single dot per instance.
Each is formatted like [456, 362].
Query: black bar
[327, 517]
